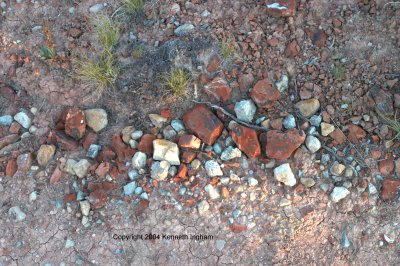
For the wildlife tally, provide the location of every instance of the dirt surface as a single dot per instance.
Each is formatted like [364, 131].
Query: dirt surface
[325, 69]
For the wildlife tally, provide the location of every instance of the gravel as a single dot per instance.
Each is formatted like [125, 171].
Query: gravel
[231, 153]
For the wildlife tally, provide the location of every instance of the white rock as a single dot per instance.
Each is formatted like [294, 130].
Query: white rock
[313, 144]
[23, 119]
[139, 160]
[203, 207]
[137, 134]
[326, 129]
[165, 150]
[252, 181]
[282, 84]
[284, 174]
[159, 170]
[339, 193]
[213, 168]
[231, 153]
[81, 168]
[245, 110]
[96, 8]
[96, 119]
[157, 120]
[17, 213]
[212, 191]
[85, 207]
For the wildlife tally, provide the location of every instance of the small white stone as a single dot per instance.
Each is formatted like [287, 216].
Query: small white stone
[139, 160]
[339, 193]
[85, 207]
[203, 207]
[313, 144]
[284, 174]
[245, 110]
[213, 168]
[23, 119]
[212, 191]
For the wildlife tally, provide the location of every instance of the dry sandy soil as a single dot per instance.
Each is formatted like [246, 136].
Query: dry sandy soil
[339, 59]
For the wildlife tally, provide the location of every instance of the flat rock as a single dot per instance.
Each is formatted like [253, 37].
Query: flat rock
[7, 140]
[280, 145]
[24, 162]
[308, 107]
[246, 139]
[356, 133]
[245, 110]
[189, 142]
[213, 168]
[183, 29]
[203, 123]
[165, 150]
[284, 174]
[264, 94]
[45, 154]
[129, 188]
[6, 120]
[339, 193]
[96, 119]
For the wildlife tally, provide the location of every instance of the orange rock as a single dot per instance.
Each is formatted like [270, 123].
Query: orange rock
[102, 169]
[386, 166]
[188, 156]
[238, 228]
[338, 136]
[264, 94]
[11, 168]
[146, 143]
[219, 88]
[356, 133]
[246, 139]
[75, 123]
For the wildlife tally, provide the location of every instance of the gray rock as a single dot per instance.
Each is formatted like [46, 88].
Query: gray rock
[307, 181]
[205, 13]
[133, 174]
[96, 119]
[230, 153]
[316, 120]
[339, 193]
[183, 29]
[173, 171]
[169, 132]
[313, 144]
[213, 192]
[177, 125]
[23, 119]
[217, 148]
[213, 168]
[93, 151]
[282, 84]
[6, 120]
[81, 168]
[139, 160]
[289, 122]
[159, 170]
[252, 181]
[129, 188]
[325, 158]
[245, 110]
[85, 207]
[165, 150]
[220, 244]
[138, 190]
[69, 166]
[284, 174]
[136, 134]
[203, 207]
[17, 213]
[372, 189]
[96, 8]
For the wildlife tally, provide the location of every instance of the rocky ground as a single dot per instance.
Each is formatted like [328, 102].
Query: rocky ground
[279, 151]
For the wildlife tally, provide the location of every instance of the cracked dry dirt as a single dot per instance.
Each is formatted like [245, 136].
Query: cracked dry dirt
[343, 54]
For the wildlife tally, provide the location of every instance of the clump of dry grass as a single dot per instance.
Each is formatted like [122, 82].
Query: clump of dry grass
[132, 6]
[177, 81]
[106, 30]
[227, 49]
[391, 122]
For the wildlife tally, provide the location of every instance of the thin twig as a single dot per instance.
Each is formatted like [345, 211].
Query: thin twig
[231, 116]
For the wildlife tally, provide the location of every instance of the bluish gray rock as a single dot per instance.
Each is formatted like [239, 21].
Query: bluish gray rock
[289, 122]
[6, 120]
[183, 29]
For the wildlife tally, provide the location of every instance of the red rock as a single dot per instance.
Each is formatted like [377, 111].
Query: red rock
[356, 133]
[182, 172]
[292, 50]
[14, 128]
[337, 136]
[386, 166]
[188, 156]
[69, 198]
[11, 168]
[286, 8]
[214, 64]
[238, 228]
[189, 142]
[167, 113]
[118, 146]
[57, 174]
[264, 94]
[89, 139]
[98, 198]
[246, 139]
[390, 189]
[146, 144]
[281, 145]
[63, 142]
[219, 88]
[75, 123]
[141, 207]
[8, 93]
[24, 162]
[106, 155]
[203, 123]
[7, 140]
[102, 169]
[109, 186]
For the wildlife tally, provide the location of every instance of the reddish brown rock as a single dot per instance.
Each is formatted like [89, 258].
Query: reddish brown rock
[238, 228]
[318, 37]
[105, 155]
[203, 123]
[281, 145]
[182, 172]
[75, 125]
[386, 166]
[246, 139]
[356, 133]
[69, 198]
[338, 136]
[390, 189]
[8, 93]
[146, 143]
[63, 142]
[11, 168]
[276, 123]
[7, 140]
[292, 50]
[264, 94]
[189, 142]
[98, 198]
[15, 128]
[102, 169]
[281, 8]
[24, 162]
[188, 156]
[167, 113]
[141, 207]
[57, 174]
[219, 88]
[118, 146]
[214, 64]
[89, 139]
